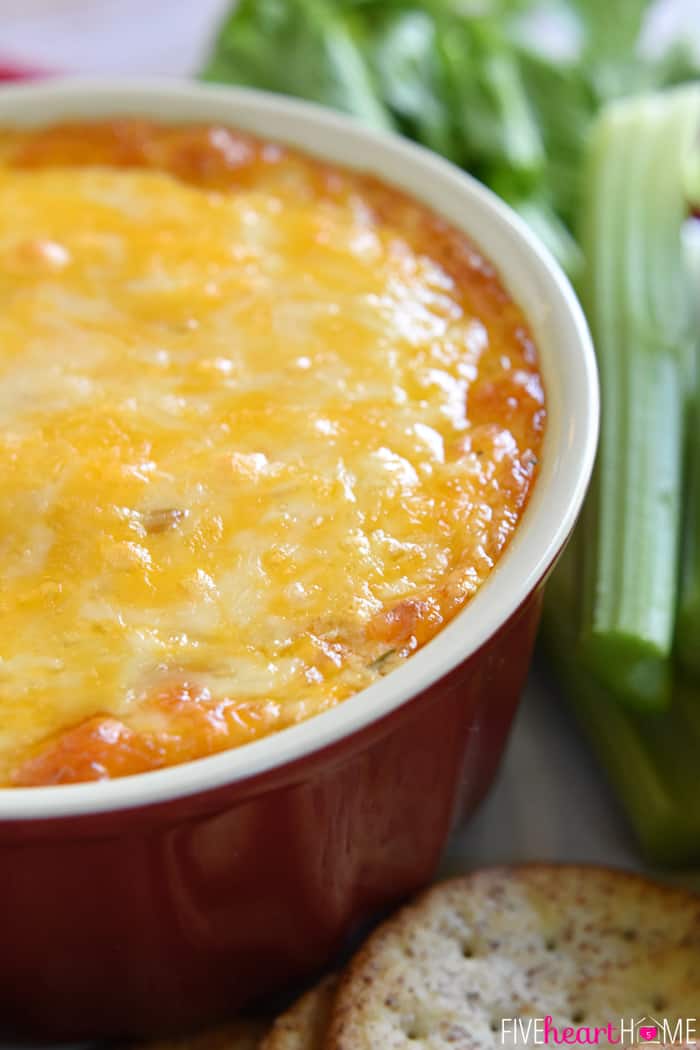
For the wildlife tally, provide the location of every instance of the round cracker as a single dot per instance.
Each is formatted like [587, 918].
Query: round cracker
[305, 1025]
[586, 946]
[242, 1034]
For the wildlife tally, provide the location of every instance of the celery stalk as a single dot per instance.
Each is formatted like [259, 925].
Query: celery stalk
[638, 303]
[688, 620]
[650, 758]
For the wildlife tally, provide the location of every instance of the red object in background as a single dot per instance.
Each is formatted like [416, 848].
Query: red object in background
[8, 72]
[159, 919]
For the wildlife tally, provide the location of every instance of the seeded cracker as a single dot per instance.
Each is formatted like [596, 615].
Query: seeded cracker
[305, 1024]
[585, 946]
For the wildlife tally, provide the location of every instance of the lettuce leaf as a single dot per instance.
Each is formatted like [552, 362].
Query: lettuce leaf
[297, 47]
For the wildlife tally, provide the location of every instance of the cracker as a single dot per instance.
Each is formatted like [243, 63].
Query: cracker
[305, 1024]
[584, 945]
[242, 1034]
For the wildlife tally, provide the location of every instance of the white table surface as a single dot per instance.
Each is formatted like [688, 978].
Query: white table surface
[550, 801]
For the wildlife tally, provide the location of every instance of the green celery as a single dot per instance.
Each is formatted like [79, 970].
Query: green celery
[639, 307]
[688, 621]
[650, 758]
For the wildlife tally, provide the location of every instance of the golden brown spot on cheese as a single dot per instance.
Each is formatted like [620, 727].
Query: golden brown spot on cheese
[98, 749]
[262, 422]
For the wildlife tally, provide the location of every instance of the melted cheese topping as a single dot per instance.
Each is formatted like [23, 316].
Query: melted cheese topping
[261, 435]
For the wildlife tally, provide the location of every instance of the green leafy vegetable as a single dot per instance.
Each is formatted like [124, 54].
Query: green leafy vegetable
[298, 47]
[405, 57]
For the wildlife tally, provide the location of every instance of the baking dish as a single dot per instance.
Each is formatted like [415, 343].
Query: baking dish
[171, 898]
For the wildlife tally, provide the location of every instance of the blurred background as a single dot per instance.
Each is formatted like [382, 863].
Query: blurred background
[173, 37]
[164, 37]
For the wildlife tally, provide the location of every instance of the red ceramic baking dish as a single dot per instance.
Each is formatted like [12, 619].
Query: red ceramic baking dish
[164, 900]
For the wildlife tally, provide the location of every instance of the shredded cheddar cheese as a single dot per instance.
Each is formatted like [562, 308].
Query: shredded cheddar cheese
[265, 426]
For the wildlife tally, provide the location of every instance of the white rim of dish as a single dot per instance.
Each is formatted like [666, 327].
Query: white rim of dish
[553, 311]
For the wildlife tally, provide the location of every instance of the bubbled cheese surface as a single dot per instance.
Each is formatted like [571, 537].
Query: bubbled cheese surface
[257, 444]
